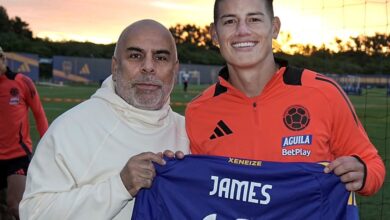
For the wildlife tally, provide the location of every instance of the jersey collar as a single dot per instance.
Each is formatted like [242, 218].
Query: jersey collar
[223, 83]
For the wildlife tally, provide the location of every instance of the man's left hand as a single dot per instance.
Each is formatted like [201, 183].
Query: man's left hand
[350, 170]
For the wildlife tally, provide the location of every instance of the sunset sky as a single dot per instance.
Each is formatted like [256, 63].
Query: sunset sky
[101, 21]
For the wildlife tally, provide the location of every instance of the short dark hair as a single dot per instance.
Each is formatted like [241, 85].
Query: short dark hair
[268, 5]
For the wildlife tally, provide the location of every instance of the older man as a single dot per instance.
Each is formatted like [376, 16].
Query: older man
[81, 169]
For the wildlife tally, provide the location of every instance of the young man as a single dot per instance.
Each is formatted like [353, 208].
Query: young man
[263, 109]
[17, 95]
[96, 157]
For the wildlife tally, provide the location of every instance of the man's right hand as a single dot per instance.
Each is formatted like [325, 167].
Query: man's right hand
[139, 171]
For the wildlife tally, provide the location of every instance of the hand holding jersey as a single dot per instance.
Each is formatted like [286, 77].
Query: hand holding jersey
[139, 171]
[350, 170]
[177, 154]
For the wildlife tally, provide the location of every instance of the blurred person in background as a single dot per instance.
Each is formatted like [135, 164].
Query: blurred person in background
[17, 95]
[186, 78]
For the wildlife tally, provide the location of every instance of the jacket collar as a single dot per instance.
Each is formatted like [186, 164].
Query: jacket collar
[10, 74]
[223, 84]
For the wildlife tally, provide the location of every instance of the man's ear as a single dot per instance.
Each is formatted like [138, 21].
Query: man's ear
[213, 34]
[275, 27]
[114, 68]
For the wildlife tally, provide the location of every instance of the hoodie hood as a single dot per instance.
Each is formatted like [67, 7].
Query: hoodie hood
[153, 118]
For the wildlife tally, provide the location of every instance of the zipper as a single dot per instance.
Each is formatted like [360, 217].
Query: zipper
[256, 115]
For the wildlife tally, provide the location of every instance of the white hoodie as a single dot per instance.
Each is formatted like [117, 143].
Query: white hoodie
[74, 173]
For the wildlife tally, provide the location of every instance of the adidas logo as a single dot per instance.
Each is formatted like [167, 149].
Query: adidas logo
[221, 130]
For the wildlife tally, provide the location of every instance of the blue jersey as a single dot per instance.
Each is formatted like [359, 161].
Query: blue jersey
[219, 188]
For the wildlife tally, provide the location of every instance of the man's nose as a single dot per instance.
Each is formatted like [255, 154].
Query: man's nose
[148, 64]
[242, 28]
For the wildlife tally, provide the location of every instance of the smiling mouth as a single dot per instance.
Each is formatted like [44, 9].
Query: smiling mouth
[244, 44]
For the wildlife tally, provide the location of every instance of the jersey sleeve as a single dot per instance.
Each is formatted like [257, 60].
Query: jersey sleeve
[350, 139]
[52, 191]
[34, 102]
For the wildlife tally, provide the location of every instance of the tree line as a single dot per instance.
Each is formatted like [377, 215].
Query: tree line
[358, 55]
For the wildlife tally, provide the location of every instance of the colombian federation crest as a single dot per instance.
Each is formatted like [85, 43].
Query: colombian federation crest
[296, 117]
[14, 100]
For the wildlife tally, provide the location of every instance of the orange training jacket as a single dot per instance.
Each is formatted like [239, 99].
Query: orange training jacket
[17, 94]
[300, 116]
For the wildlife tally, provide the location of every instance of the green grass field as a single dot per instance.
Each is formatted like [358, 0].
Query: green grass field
[372, 108]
